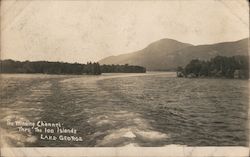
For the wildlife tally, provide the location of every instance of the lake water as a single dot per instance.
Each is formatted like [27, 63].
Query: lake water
[152, 109]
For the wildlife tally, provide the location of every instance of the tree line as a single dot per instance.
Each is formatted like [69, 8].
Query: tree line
[122, 69]
[219, 66]
[11, 66]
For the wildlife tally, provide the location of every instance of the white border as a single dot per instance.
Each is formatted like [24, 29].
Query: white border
[169, 151]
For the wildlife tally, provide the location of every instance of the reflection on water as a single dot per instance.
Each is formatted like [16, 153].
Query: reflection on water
[153, 109]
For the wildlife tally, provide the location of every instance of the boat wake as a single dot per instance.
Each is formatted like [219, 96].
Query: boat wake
[124, 128]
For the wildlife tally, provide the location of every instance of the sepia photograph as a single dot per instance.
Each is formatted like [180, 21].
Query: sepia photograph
[124, 78]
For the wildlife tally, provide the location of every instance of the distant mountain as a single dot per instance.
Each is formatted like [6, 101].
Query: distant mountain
[168, 54]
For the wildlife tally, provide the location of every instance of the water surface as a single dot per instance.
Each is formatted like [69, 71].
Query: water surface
[153, 109]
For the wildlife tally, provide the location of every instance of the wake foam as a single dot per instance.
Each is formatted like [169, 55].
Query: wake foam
[130, 130]
[151, 135]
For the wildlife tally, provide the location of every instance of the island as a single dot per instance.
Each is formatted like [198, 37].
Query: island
[220, 67]
[46, 67]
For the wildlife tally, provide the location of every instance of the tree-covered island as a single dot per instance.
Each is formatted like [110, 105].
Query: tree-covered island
[219, 66]
[45, 67]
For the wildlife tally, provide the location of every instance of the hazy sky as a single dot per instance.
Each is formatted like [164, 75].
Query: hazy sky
[81, 31]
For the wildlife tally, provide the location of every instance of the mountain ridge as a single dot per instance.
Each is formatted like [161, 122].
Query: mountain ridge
[168, 54]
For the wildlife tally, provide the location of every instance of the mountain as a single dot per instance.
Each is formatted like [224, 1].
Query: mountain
[168, 54]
